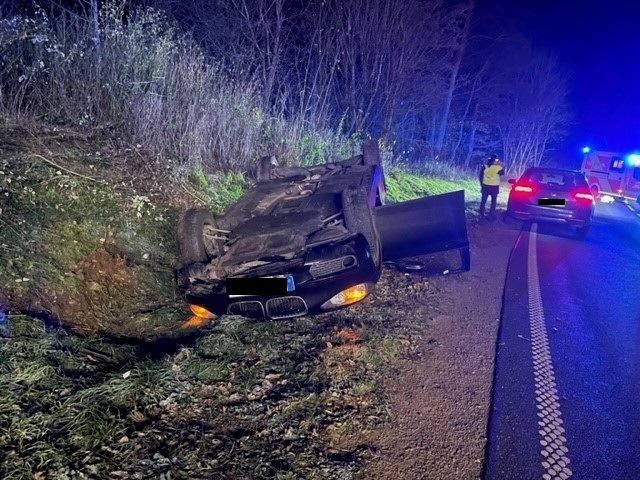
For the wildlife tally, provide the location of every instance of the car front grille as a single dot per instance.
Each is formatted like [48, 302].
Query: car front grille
[323, 269]
[286, 307]
[251, 309]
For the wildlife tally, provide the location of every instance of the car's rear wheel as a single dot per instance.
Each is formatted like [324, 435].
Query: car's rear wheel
[199, 238]
[358, 218]
[581, 231]
[508, 218]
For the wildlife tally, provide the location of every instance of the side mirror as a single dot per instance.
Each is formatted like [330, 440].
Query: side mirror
[511, 181]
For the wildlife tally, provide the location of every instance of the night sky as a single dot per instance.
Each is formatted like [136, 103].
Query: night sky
[599, 41]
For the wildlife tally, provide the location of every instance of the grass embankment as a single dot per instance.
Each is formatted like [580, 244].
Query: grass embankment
[403, 185]
[87, 240]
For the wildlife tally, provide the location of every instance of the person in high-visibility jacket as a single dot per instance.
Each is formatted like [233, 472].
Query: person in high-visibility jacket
[489, 177]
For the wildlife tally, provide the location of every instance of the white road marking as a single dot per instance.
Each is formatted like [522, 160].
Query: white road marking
[555, 454]
[630, 207]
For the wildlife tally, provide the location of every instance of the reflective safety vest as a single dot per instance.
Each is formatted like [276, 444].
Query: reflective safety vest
[491, 175]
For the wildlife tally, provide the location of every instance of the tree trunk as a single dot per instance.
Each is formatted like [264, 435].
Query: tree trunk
[454, 78]
[96, 30]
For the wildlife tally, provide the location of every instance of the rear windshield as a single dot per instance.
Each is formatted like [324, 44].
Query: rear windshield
[554, 179]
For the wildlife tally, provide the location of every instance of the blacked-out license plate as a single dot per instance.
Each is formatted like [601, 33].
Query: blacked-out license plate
[553, 202]
[276, 285]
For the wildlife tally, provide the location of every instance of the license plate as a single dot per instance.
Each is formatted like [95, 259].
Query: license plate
[290, 284]
[552, 202]
[249, 282]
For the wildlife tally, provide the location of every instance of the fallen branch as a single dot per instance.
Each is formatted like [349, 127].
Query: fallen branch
[63, 168]
[184, 187]
[95, 355]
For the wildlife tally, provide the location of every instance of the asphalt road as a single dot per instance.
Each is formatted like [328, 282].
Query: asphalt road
[566, 393]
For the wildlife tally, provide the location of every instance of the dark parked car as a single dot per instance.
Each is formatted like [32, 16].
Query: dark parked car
[552, 195]
[307, 240]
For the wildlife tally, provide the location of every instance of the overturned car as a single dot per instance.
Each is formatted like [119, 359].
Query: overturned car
[308, 240]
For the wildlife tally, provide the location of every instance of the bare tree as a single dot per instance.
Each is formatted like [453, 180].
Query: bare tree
[367, 39]
[313, 64]
[250, 37]
[463, 37]
[426, 98]
[422, 76]
[392, 64]
[531, 111]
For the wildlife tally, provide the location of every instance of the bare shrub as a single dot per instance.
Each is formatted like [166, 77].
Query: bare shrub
[151, 85]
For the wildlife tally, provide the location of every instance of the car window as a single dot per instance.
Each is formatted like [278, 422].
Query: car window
[552, 179]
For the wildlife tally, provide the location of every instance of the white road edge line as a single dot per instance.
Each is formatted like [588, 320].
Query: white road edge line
[555, 454]
[630, 207]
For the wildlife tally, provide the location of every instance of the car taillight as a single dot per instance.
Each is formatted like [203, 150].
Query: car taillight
[522, 189]
[583, 196]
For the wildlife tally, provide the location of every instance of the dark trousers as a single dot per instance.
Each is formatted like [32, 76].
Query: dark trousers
[489, 191]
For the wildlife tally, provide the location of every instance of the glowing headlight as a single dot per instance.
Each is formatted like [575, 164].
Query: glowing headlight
[201, 312]
[347, 297]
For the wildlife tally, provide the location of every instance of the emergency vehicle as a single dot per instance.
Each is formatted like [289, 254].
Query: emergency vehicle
[614, 174]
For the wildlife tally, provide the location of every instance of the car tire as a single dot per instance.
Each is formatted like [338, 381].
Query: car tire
[358, 218]
[264, 167]
[195, 244]
[582, 230]
[509, 219]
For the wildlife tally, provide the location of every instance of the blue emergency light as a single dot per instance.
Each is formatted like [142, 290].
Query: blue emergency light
[633, 159]
[586, 149]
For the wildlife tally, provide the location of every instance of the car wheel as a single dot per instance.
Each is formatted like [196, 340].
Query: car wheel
[358, 218]
[582, 230]
[198, 237]
[264, 167]
[510, 219]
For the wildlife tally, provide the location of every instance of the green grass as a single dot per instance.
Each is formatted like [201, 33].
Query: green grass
[218, 190]
[277, 383]
[403, 185]
[54, 229]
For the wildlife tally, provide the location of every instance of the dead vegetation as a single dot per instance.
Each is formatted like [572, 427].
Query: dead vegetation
[239, 399]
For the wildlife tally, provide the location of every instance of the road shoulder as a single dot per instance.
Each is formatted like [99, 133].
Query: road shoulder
[441, 399]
